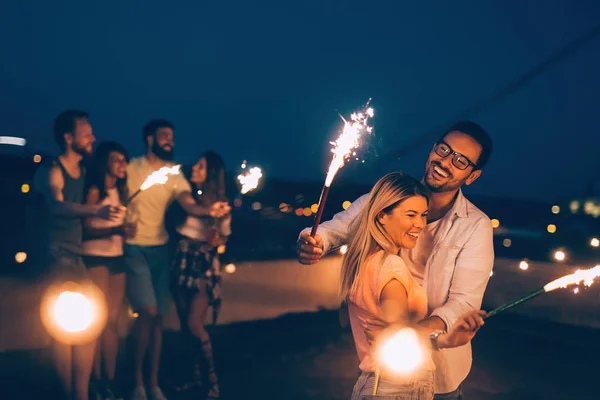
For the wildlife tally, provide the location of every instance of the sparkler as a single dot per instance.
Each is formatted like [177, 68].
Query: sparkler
[158, 177]
[249, 179]
[343, 149]
[587, 276]
[401, 353]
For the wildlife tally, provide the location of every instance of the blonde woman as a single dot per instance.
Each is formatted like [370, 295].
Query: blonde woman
[377, 284]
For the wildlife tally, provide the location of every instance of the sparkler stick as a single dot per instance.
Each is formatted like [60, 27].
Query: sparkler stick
[342, 150]
[159, 177]
[249, 181]
[587, 276]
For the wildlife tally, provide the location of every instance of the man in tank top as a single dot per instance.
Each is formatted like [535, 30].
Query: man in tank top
[62, 187]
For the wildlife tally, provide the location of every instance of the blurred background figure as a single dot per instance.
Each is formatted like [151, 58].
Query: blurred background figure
[106, 184]
[196, 268]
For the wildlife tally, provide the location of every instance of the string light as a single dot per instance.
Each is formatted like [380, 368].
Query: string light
[524, 265]
[560, 255]
[20, 257]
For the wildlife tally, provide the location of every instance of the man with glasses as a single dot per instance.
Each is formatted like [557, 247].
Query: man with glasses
[454, 254]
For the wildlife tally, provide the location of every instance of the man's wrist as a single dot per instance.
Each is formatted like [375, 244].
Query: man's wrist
[95, 210]
[200, 211]
[439, 339]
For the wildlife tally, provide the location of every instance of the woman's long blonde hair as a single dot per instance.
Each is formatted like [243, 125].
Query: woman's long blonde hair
[367, 234]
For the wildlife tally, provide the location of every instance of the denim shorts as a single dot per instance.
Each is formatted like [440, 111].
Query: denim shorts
[63, 265]
[419, 389]
[148, 277]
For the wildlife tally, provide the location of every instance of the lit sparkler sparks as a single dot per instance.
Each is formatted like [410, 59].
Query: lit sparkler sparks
[349, 140]
[343, 148]
[159, 177]
[249, 179]
[586, 276]
[399, 353]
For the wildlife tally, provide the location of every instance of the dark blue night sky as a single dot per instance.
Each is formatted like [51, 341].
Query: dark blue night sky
[264, 81]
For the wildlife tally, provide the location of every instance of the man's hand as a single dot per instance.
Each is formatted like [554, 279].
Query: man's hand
[219, 209]
[463, 331]
[309, 249]
[108, 212]
[129, 230]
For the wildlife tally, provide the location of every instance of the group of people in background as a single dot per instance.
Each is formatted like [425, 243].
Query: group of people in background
[88, 234]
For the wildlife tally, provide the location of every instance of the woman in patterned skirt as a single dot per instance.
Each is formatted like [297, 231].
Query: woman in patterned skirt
[196, 275]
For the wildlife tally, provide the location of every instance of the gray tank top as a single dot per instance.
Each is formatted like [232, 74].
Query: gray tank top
[66, 233]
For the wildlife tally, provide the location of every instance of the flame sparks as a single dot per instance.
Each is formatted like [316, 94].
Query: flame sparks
[249, 179]
[349, 140]
[403, 352]
[587, 276]
[159, 177]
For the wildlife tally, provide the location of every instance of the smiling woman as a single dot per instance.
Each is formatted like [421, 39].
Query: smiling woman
[378, 285]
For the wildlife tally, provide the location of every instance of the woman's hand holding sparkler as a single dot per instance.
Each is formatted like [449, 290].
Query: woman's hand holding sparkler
[129, 230]
[309, 248]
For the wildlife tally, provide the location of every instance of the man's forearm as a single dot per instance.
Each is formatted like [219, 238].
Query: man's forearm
[433, 323]
[198, 211]
[335, 232]
[67, 209]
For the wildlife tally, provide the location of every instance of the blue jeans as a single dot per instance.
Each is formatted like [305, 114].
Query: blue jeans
[148, 277]
[419, 389]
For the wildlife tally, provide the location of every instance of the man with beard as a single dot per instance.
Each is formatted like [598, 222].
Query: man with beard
[454, 254]
[62, 186]
[147, 254]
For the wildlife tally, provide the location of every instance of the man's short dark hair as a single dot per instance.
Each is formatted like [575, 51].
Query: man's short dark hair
[65, 122]
[479, 134]
[153, 126]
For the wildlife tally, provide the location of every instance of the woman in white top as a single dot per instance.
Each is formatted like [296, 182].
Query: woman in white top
[195, 271]
[103, 253]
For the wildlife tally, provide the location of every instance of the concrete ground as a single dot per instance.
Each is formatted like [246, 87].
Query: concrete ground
[308, 356]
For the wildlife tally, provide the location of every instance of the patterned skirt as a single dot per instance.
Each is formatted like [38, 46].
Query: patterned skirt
[196, 266]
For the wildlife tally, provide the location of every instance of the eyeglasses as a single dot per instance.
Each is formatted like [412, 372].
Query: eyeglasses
[443, 150]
